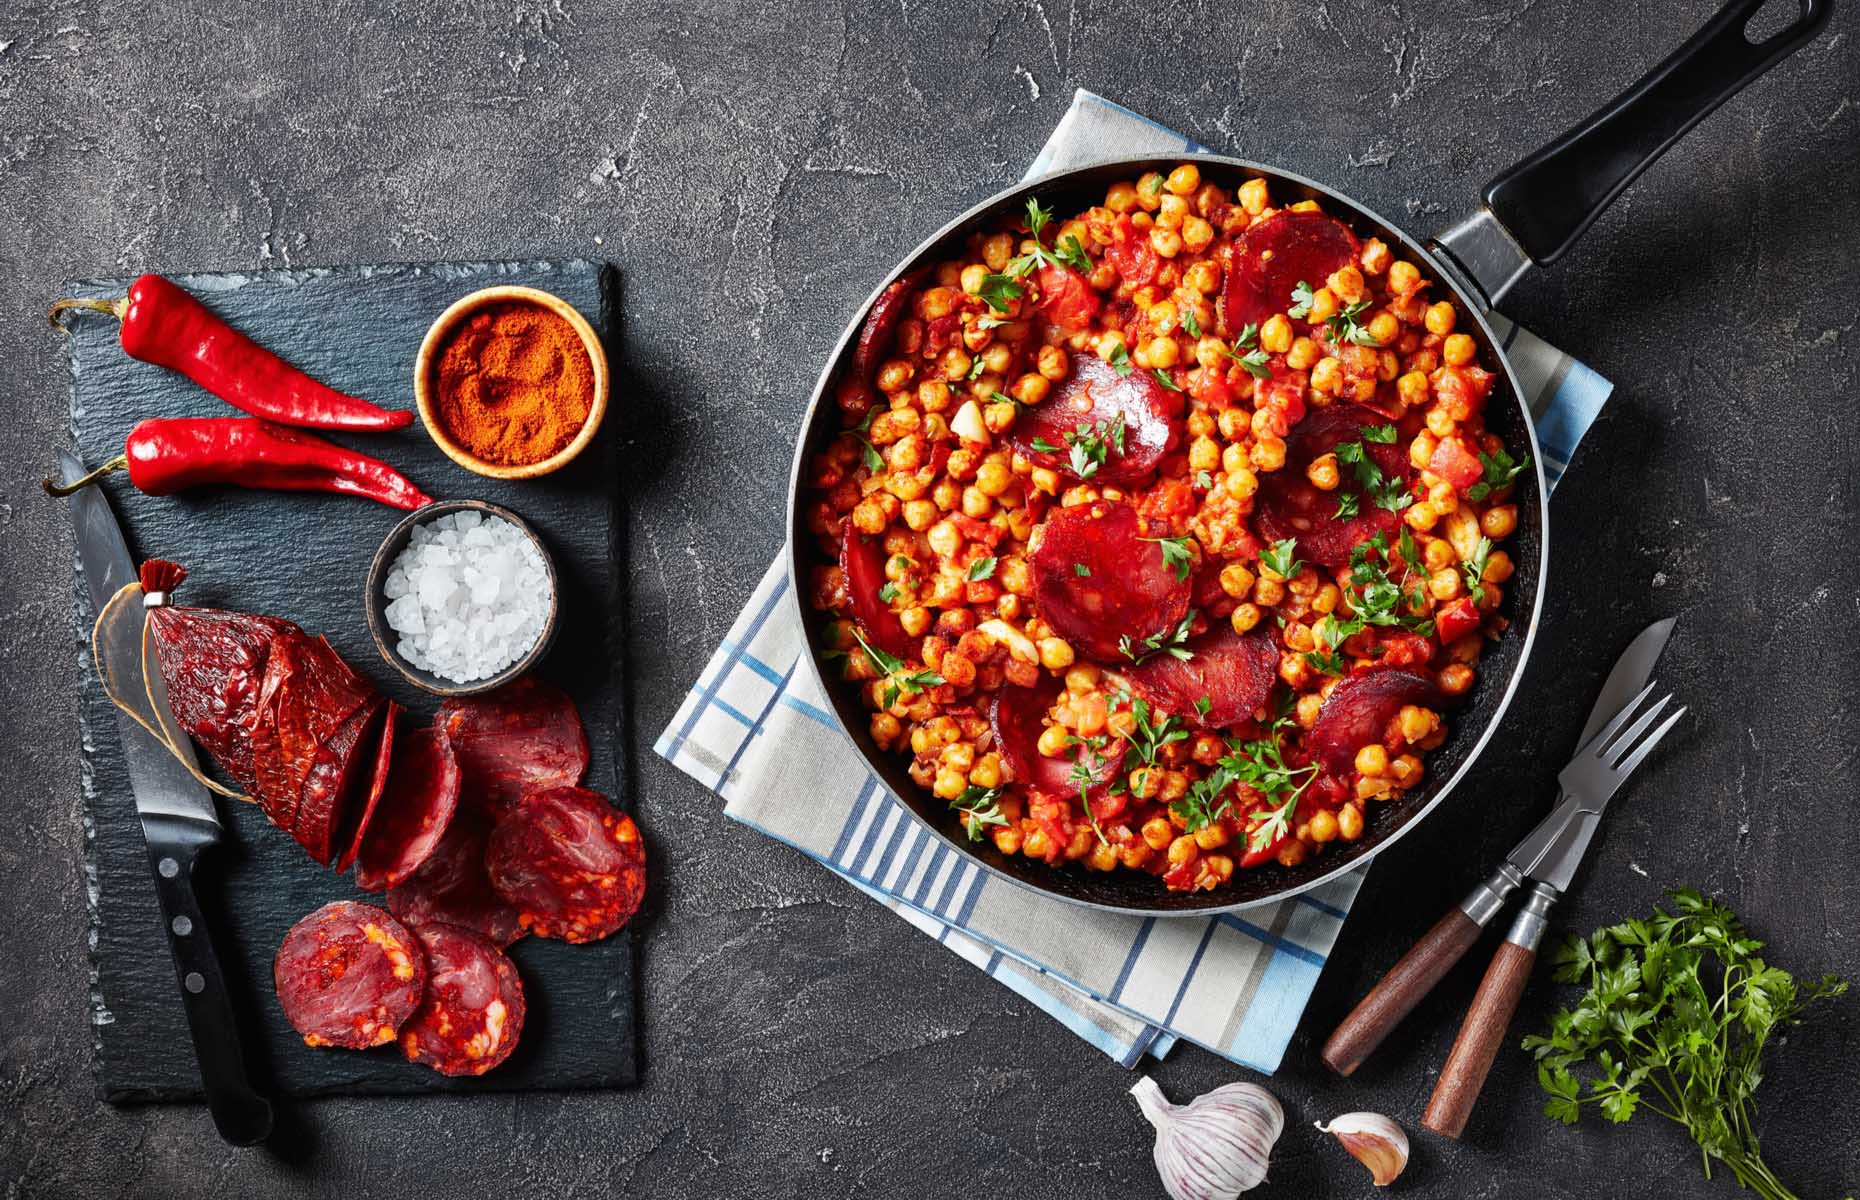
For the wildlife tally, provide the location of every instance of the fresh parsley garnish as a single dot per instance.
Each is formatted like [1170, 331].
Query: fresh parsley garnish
[983, 808]
[1091, 445]
[1381, 435]
[1259, 764]
[1149, 735]
[1343, 326]
[889, 592]
[1166, 641]
[1120, 359]
[1678, 1012]
[1386, 491]
[1373, 599]
[1301, 300]
[1176, 554]
[1204, 480]
[1083, 774]
[981, 568]
[874, 461]
[1000, 291]
[1191, 322]
[1068, 253]
[997, 396]
[1162, 377]
[1203, 705]
[1081, 570]
[1474, 570]
[1347, 506]
[898, 680]
[1500, 470]
[1253, 362]
[977, 367]
[1278, 559]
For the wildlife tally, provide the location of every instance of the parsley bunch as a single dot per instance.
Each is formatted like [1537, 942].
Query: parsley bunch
[1002, 289]
[1374, 599]
[1258, 764]
[1675, 1021]
[1343, 325]
[1389, 492]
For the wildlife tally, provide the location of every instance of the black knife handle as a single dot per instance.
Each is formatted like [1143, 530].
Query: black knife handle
[241, 1114]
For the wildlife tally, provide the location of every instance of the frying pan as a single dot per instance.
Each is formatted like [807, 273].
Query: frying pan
[1531, 215]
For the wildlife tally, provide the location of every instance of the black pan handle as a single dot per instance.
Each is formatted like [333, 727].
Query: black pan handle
[1549, 199]
[240, 1113]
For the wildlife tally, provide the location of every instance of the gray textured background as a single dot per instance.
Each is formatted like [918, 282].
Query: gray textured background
[754, 173]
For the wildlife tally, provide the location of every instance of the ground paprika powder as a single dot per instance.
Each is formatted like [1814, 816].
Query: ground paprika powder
[514, 383]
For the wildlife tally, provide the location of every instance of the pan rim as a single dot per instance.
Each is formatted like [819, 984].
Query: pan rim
[1003, 200]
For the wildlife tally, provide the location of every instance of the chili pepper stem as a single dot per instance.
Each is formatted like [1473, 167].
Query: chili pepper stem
[115, 308]
[55, 488]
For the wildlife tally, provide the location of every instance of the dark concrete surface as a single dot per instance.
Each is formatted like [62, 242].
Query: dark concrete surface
[754, 171]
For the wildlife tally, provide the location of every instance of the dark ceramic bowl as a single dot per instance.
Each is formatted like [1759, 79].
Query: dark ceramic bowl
[375, 601]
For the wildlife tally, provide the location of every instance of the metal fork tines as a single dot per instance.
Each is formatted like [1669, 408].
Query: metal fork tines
[1611, 755]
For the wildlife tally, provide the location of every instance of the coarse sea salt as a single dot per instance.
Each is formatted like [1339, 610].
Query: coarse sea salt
[468, 596]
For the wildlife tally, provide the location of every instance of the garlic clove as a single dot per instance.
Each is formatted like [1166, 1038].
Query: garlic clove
[1376, 1141]
[968, 425]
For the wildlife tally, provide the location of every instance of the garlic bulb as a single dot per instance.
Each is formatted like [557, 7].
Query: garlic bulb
[1376, 1141]
[1215, 1146]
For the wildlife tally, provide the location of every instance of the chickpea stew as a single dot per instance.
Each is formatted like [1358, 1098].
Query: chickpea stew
[1165, 535]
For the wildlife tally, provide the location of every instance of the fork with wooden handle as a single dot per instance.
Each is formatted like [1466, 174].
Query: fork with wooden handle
[1548, 857]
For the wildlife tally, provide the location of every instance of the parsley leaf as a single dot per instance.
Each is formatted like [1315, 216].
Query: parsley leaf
[981, 568]
[1278, 559]
[1081, 570]
[1162, 377]
[1069, 252]
[1677, 1013]
[1166, 641]
[1000, 291]
[898, 680]
[1253, 362]
[1150, 733]
[1072, 253]
[874, 461]
[1500, 470]
[1344, 328]
[1091, 445]
[982, 807]
[1191, 322]
[1382, 435]
[1120, 359]
[1204, 480]
[1347, 506]
[1044, 446]
[1474, 570]
[1301, 301]
[889, 592]
[977, 367]
[1176, 554]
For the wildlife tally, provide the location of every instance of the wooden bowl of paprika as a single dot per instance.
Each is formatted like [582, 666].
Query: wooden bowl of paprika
[511, 382]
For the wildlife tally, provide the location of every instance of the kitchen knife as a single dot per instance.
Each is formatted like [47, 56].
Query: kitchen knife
[179, 823]
[1395, 996]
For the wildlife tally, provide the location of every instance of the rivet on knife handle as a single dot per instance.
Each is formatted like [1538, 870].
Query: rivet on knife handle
[1415, 975]
[1488, 1021]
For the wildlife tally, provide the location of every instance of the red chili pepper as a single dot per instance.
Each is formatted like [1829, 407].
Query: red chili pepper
[166, 455]
[164, 325]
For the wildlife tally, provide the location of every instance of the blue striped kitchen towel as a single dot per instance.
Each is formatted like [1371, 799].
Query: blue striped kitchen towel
[757, 731]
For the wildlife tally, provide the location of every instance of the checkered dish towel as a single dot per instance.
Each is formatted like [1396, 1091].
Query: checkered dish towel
[756, 730]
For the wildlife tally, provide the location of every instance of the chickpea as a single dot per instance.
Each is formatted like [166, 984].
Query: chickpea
[1184, 179]
[1326, 599]
[1412, 389]
[1416, 722]
[993, 477]
[1044, 480]
[885, 728]
[1323, 473]
[1109, 343]
[1420, 517]
[1241, 484]
[1204, 454]
[916, 620]
[1440, 317]
[945, 539]
[1212, 836]
[1372, 760]
[1253, 197]
[1350, 821]
[1233, 423]
[950, 784]
[1499, 521]
[1055, 654]
[1297, 636]
[1444, 584]
[1458, 350]
[1203, 277]
[1407, 770]
[1052, 741]
[1236, 580]
[1183, 851]
[1323, 827]
[1163, 352]
[1375, 256]
[1293, 853]
[1036, 844]
[1267, 591]
[1158, 833]
[1327, 377]
[1121, 197]
[1324, 305]
[1309, 705]
[1404, 277]
[1347, 284]
[1082, 679]
[1052, 363]
[1245, 617]
[1383, 328]
[1294, 670]
[1275, 336]
[1455, 679]
[955, 364]
[1174, 786]
[1092, 714]
[933, 396]
[1268, 454]
[1498, 567]
[1166, 242]
[1197, 234]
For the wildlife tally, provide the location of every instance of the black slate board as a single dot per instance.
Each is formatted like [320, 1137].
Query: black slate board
[304, 557]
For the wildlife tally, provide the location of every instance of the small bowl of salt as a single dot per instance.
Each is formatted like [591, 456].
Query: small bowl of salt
[462, 597]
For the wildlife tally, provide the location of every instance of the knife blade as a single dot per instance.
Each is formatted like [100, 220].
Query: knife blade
[179, 823]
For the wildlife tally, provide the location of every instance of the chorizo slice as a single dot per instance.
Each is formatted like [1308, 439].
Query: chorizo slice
[855, 392]
[1276, 255]
[451, 888]
[473, 1012]
[1018, 717]
[863, 560]
[1098, 581]
[349, 975]
[308, 697]
[213, 662]
[1358, 711]
[365, 797]
[417, 807]
[342, 762]
[1131, 417]
[1289, 505]
[570, 863]
[1232, 672]
[523, 737]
